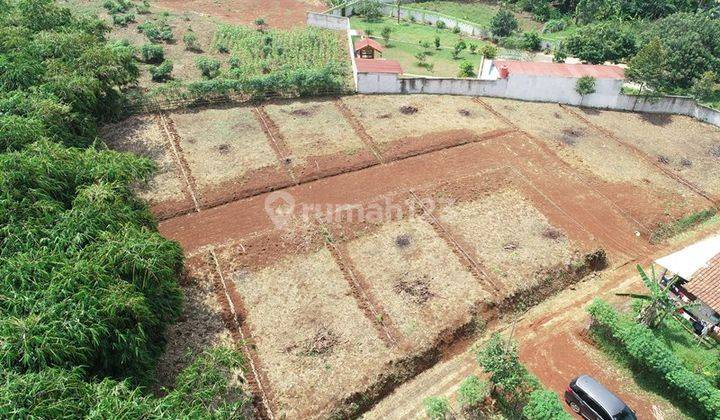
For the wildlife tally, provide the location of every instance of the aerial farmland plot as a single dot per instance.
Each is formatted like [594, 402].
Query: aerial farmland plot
[318, 140]
[371, 303]
[228, 153]
[689, 148]
[626, 177]
[408, 125]
[166, 193]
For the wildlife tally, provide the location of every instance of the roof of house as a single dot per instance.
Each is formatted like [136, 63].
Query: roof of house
[705, 284]
[367, 42]
[368, 65]
[689, 260]
[561, 69]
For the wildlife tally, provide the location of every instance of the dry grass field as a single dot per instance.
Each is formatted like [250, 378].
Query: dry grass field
[318, 138]
[510, 237]
[417, 278]
[687, 147]
[421, 121]
[227, 151]
[307, 328]
[622, 174]
[143, 136]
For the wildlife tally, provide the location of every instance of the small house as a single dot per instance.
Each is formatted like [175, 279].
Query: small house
[367, 48]
[697, 268]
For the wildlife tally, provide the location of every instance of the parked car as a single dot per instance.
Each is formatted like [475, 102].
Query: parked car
[590, 399]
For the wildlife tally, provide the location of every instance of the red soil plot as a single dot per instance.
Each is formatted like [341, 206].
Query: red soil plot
[561, 196]
[277, 13]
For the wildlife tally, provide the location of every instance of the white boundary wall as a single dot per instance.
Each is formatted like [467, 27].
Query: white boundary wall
[537, 89]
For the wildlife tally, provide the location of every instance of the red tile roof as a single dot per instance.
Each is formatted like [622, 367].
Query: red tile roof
[561, 69]
[705, 284]
[367, 65]
[365, 42]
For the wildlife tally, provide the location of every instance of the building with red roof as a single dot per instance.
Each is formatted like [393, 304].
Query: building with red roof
[366, 48]
[507, 68]
[366, 65]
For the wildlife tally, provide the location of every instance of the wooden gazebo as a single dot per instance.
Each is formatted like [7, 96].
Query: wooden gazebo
[366, 48]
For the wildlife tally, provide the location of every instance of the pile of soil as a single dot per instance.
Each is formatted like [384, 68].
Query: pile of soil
[570, 136]
[417, 291]
[321, 343]
[403, 241]
[552, 233]
[302, 112]
[408, 109]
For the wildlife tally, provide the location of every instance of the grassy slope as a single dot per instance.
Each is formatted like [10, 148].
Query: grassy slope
[481, 13]
[404, 44]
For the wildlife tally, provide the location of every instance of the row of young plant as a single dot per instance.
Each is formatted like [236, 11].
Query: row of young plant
[260, 62]
[511, 390]
[651, 355]
[88, 286]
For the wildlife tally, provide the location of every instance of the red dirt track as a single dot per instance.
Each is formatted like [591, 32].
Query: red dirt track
[564, 197]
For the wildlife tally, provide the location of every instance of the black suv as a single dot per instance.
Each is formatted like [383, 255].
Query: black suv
[590, 399]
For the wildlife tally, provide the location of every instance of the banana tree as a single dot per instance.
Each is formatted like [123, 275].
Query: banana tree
[659, 302]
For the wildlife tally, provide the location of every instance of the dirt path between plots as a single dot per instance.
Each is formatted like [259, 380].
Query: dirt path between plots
[560, 195]
[277, 13]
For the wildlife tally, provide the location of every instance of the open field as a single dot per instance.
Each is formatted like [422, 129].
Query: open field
[473, 219]
[625, 176]
[513, 240]
[277, 13]
[165, 192]
[678, 143]
[404, 125]
[417, 278]
[318, 138]
[227, 152]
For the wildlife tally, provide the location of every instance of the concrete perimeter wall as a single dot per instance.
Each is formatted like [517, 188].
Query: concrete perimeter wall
[320, 20]
[537, 89]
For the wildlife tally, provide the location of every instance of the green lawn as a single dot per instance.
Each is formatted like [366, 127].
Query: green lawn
[405, 43]
[482, 12]
[477, 12]
[697, 357]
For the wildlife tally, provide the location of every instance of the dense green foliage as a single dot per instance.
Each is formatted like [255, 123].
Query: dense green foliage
[544, 405]
[692, 44]
[597, 43]
[517, 391]
[300, 61]
[503, 23]
[152, 53]
[436, 408]
[585, 85]
[88, 286]
[511, 381]
[206, 389]
[471, 395]
[650, 354]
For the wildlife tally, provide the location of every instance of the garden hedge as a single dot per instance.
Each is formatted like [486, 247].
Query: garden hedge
[651, 354]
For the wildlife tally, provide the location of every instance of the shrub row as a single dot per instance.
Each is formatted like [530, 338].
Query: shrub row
[651, 354]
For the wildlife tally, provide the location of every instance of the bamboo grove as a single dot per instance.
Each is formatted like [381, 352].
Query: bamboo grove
[87, 285]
